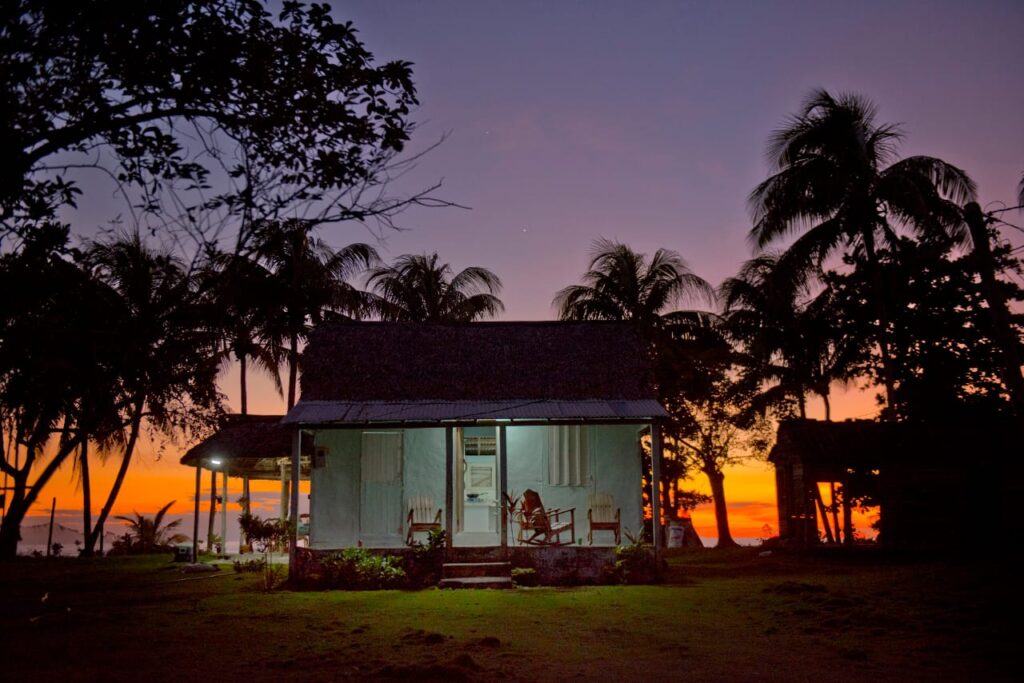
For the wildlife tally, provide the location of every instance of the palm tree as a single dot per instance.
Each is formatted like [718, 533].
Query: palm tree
[621, 284]
[151, 534]
[311, 279]
[247, 307]
[839, 183]
[167, 363]
[792, 341]
[419, 288]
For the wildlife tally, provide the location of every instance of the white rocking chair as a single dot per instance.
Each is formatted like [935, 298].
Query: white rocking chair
[422, 517]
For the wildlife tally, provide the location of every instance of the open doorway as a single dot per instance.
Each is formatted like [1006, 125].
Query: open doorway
[476, 478]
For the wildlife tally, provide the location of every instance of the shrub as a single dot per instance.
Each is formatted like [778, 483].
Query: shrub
[424, 564]
[634, 563]
[257, 564]
[357, 569]
[525, 576]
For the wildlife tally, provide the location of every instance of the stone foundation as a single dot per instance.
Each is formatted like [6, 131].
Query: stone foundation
[555, 565]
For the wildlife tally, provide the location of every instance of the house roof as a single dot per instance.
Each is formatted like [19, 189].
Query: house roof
[430, 372]
[246, 445]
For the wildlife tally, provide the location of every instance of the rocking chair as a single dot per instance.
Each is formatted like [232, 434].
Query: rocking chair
[546, 526]
[420, 509]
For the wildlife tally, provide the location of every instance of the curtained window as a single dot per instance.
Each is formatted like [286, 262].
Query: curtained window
[568, 456]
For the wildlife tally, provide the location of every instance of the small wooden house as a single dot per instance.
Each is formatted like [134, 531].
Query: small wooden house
[466, 416]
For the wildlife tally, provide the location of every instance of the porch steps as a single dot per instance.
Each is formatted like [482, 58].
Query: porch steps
[476, 575]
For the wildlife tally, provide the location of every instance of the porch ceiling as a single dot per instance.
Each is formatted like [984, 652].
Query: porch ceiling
[440, 411]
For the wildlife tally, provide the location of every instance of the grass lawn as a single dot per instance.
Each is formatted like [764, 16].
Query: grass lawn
[720, 615]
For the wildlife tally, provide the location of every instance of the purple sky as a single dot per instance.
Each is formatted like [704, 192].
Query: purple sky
[647, 122]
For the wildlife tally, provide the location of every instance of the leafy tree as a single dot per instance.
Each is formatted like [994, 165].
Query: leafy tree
[310, 280]
[838, 182]
[58, 356]
[150, 534]
[419, 288]
[177, 94]
[947, 367]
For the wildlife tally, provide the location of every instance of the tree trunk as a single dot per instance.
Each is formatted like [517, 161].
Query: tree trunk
[122, 471]
[717, 481]
[241, 379]
[24, 495]
[213, 511]
[293, 367]
[83, 455]
[801, 404]
[1002, 330]
[882, 311]
[828, 407]
[835, 510]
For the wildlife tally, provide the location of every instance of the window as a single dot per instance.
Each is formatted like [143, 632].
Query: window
[480, 445]
[568, 457]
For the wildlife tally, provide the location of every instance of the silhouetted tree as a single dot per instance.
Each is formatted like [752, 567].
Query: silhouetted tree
[58, 377]
[150, 534]
[792, 340]
[311, 280]
[167, 366]
[621, 284]
[292, 108]
[839, 183]
[419, 288]
[247, 306]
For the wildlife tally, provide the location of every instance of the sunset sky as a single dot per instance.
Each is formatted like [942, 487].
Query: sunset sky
[641, 122]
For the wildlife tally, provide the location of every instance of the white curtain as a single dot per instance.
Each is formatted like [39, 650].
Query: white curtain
[568, 456]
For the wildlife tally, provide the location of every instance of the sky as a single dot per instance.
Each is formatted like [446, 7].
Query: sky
[645, 123]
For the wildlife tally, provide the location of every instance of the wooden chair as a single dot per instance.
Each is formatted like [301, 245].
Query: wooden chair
[420, 510]
[603, 516]
[546, 526]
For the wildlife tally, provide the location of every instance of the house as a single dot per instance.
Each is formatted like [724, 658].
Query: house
[933, 484]
[459, 414]
[463, 414]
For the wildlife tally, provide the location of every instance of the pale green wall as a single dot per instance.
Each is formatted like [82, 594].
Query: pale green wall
[614, 467]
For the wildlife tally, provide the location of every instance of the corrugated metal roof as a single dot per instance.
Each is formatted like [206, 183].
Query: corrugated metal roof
[362, 412]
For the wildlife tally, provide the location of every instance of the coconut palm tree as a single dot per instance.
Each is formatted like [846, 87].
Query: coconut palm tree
[150, 533]
[247, 305]
[311, 280]
[621, 284]
[419, 288]
[791, 339]
[688, 353]
[839, 185]
[167, 350]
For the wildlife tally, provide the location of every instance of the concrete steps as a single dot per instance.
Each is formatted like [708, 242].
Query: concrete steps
[476, 575]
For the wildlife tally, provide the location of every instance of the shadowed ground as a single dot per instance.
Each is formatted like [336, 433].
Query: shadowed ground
[719, 616]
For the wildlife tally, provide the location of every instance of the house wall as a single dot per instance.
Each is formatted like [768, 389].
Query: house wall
[335, 505]
[615, 468]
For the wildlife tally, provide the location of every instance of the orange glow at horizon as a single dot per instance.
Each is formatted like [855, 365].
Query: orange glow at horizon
[153, 482]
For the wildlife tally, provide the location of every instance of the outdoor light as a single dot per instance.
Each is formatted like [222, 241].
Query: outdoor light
[215, 461]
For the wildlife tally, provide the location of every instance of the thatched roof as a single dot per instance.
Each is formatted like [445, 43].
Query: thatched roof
[869, 444]
[848, 443]
[500, 361]
[249, 445]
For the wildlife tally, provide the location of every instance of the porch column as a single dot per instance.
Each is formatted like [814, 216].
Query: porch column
[656, 491]
[449, 489]
[224, 513]
[284, 491]
[503, 477]
[242, 538]
[293, 520]
[195, 521]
